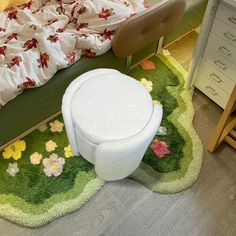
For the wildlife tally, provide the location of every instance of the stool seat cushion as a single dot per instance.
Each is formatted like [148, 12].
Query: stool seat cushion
[110, 107]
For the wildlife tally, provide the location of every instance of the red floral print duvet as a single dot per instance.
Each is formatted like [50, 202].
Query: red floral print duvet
[43, 36]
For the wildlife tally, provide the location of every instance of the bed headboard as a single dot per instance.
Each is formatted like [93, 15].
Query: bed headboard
[142, 29]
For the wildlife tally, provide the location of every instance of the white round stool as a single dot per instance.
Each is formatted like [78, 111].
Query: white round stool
[110, 120]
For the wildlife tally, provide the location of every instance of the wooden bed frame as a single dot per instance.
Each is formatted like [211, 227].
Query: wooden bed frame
[35, 106]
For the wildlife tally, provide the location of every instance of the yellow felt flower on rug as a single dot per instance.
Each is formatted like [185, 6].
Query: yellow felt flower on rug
[14, 150]
[156, 102]
[35, 158]
[68, 152]
[56, 126]
[147, 84]
[50, 146]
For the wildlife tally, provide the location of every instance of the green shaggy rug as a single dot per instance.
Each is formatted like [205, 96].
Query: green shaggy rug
[41, 180]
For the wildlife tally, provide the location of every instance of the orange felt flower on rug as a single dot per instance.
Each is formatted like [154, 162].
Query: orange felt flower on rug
[148, 65]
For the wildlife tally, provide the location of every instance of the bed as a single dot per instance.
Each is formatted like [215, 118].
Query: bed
[137, 36]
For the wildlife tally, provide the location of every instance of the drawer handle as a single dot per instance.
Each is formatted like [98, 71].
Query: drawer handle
[224, 50]
[220, 64]
[211, 90]
[216, 78]
[232, 19]
[230, 36]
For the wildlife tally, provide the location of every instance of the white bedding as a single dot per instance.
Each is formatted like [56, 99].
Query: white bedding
[44, 36]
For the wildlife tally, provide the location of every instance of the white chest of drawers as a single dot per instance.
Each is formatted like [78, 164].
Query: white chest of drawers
[213, 69]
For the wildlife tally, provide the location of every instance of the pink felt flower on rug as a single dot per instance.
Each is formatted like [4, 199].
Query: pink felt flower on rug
[148, 65]
[53, 165]
[160, 148]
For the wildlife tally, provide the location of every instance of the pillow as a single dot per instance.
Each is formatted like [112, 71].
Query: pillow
[5, 4]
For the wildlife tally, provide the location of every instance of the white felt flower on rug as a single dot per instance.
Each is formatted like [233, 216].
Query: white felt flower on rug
[147, 84]
[53, 166]
[50, 146]
[12, 169]
[162, 131]
[42, 127]
[56, 126]
[35, 158]
[68, 152]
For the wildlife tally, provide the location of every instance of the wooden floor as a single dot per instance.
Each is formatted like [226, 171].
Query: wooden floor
[127, 208]
[182, 49]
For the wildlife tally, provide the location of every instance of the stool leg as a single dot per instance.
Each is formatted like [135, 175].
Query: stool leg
[159, 44]
[220, 132]
[128, 64]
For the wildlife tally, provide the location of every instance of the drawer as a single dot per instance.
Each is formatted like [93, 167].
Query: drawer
[226, 14]
[224, 31]
[220, 63]
[211, 90]
[217, 78]
[222, 47]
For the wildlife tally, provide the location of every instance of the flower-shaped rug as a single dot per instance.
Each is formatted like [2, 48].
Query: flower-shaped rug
[41, 180]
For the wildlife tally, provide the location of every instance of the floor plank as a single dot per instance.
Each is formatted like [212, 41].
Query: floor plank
[182, 49]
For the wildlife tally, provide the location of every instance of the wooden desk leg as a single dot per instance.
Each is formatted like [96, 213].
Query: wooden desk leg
[223, 127]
